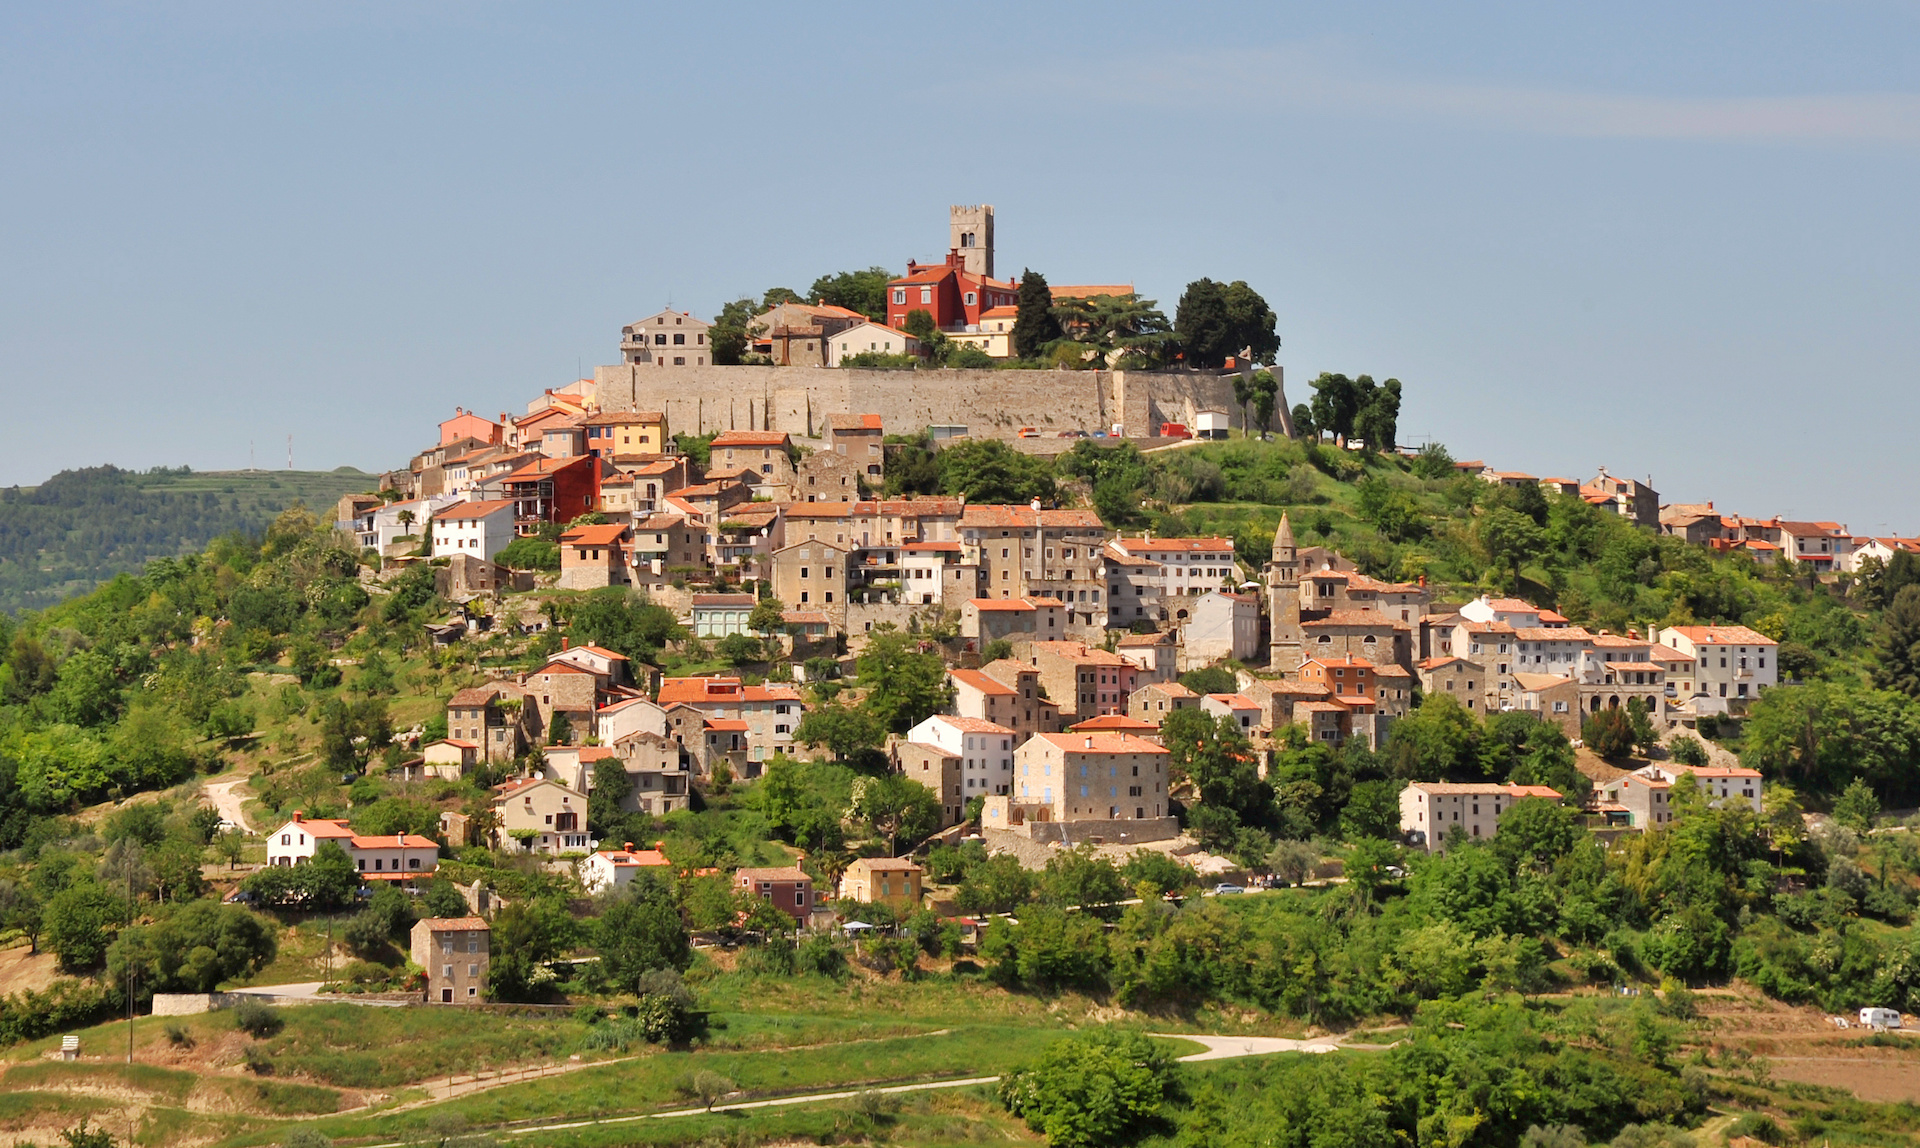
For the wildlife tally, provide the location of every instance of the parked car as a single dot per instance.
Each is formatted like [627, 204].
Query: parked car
[1223, 889]
[1029, 432]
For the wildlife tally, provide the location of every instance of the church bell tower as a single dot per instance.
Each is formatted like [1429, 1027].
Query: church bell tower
[971, 235]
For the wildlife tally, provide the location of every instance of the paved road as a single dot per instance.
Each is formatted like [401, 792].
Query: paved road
[223, 798]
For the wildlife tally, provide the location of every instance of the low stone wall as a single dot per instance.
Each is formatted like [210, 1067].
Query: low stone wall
[190, 1004]
[1100, 832]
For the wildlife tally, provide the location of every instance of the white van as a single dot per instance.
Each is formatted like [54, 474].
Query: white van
[1880, 1017]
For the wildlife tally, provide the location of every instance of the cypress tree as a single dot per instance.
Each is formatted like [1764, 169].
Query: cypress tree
[1034, 325]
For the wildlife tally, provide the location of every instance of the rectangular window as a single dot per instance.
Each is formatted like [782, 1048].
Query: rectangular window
[899, 296]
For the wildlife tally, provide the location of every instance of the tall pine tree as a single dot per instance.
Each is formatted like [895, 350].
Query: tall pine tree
[1898, 644]
[1034, 325]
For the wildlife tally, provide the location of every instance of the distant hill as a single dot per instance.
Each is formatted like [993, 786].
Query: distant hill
[82, 527]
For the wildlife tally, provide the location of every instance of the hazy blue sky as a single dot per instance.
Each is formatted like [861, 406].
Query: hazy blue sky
[1677, 240]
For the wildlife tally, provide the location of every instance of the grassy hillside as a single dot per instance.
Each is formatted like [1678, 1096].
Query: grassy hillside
[81, 527]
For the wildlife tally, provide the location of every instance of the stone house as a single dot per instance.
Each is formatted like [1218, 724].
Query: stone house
[862, 439]
[984, 620]
[812, 575]
[1157, 655]
[453, 953]
[891, 881]
[592, 557]
[936, 768]
[1155, 700]
[766, 453]
[496, 718]
[1023, 707]
[540, 815]
[1089, 777]
[669, 338]
[824, 476]
[1084, 682]
[1221, 625]
[1463, 680]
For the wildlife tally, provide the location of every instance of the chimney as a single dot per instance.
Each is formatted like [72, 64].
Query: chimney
[1035, 505]
[628, 846]
[661, 846]
[565, 642]
[299, 815]
[1089, 741]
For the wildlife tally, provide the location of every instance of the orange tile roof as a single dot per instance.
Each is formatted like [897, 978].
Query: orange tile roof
[972, 725]
[399, 841]
[750, 438]
[784, 873]
[458, 925]
[986, 516]
[1235, 701]
[979, 681]
[1722, 635]
[692, 691]
[1016, 605]
[1119, 722]
[633, 859]
[604, 535]
[465, 511]
[1102, 742]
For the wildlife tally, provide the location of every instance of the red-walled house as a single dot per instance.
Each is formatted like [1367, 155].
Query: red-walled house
[952, 294]
[553, 490]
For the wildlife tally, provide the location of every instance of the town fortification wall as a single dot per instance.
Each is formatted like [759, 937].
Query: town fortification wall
[989, 403]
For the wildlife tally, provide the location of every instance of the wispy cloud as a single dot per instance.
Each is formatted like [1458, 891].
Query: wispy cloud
[1293, 81]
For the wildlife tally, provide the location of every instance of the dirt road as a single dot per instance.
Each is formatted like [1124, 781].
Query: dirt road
[229, 803]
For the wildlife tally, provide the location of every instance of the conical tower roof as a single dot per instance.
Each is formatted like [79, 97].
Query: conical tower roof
[1283, 539]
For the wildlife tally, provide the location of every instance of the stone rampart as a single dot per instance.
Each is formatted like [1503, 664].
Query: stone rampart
[989, 403]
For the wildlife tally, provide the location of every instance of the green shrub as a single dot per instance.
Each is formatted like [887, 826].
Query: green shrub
[257, 1019]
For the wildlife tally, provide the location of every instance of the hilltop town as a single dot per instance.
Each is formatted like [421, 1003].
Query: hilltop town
[947, 654]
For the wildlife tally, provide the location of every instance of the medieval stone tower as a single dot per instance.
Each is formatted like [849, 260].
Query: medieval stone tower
[972, 236]
[1285, 650]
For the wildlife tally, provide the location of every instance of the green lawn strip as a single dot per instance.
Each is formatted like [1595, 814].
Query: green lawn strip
[350, 1046]
[166, 1085]
[923, 1120]
[656, 1083]
[21, 1109]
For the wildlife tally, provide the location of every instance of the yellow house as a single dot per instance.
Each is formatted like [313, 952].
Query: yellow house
[625, 434]
[891, 881]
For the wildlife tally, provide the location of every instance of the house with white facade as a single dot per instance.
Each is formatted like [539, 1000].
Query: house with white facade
[616, 868]
[1431, 810]
[474, 529]
[1721, 784]
[985, 750]
[1728, 663]
[864, 338]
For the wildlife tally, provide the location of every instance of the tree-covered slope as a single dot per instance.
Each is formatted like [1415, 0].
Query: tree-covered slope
[81, 527]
